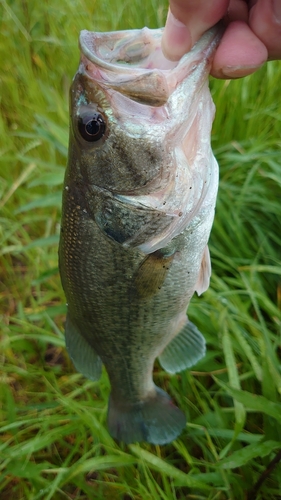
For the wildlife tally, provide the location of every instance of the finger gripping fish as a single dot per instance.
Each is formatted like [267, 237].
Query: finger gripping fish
[138, 206]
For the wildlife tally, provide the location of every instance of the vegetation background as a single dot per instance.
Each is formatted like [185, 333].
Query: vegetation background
[54, 441]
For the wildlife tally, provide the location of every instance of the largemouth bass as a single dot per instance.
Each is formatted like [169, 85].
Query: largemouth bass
[138, 206]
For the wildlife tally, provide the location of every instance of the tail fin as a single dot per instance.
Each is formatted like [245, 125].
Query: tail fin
[156, 420]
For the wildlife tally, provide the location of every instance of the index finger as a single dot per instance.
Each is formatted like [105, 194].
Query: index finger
[187, 21]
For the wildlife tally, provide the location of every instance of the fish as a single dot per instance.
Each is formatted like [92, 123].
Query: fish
[138, 206]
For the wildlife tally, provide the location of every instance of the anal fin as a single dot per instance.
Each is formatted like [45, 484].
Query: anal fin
[81, 353]
[184, 350]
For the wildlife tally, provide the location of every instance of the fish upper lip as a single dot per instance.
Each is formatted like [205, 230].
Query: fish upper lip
[99, 49]
[111, 50]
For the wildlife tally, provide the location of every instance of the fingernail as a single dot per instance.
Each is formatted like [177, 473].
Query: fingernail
[176, 39]
[174, 21]
[238, 71]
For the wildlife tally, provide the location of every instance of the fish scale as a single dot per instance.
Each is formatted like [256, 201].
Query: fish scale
[138, 206]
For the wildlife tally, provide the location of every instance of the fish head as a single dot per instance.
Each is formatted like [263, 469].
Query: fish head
[131, 109]
[113, 137]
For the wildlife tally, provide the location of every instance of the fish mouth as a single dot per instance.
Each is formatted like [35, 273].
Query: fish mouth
[132, 62]
[125, 50]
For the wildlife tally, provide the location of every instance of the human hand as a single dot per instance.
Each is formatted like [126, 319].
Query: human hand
[252, 35]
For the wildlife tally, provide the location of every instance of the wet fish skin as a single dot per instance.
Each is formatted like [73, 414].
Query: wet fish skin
[138, 206]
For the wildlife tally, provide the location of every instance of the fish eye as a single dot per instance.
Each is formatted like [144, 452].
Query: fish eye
[91, 126]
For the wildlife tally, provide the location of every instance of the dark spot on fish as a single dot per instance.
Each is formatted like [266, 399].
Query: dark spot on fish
[116, 235]
[152, 156]
[170, 403]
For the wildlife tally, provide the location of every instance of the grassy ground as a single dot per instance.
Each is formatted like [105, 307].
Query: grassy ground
[54, 442]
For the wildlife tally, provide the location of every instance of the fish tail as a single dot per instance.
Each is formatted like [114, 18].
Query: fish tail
[156, 420]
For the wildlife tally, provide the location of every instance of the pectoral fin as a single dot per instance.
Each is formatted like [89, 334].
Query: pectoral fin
[203, 280]
[82, 354]
[184, 350]
[151, 274]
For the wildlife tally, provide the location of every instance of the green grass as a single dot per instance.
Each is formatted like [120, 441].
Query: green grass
[54, 441]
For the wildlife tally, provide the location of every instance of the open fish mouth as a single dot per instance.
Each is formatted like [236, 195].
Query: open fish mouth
[138, 48]
[132, 62]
